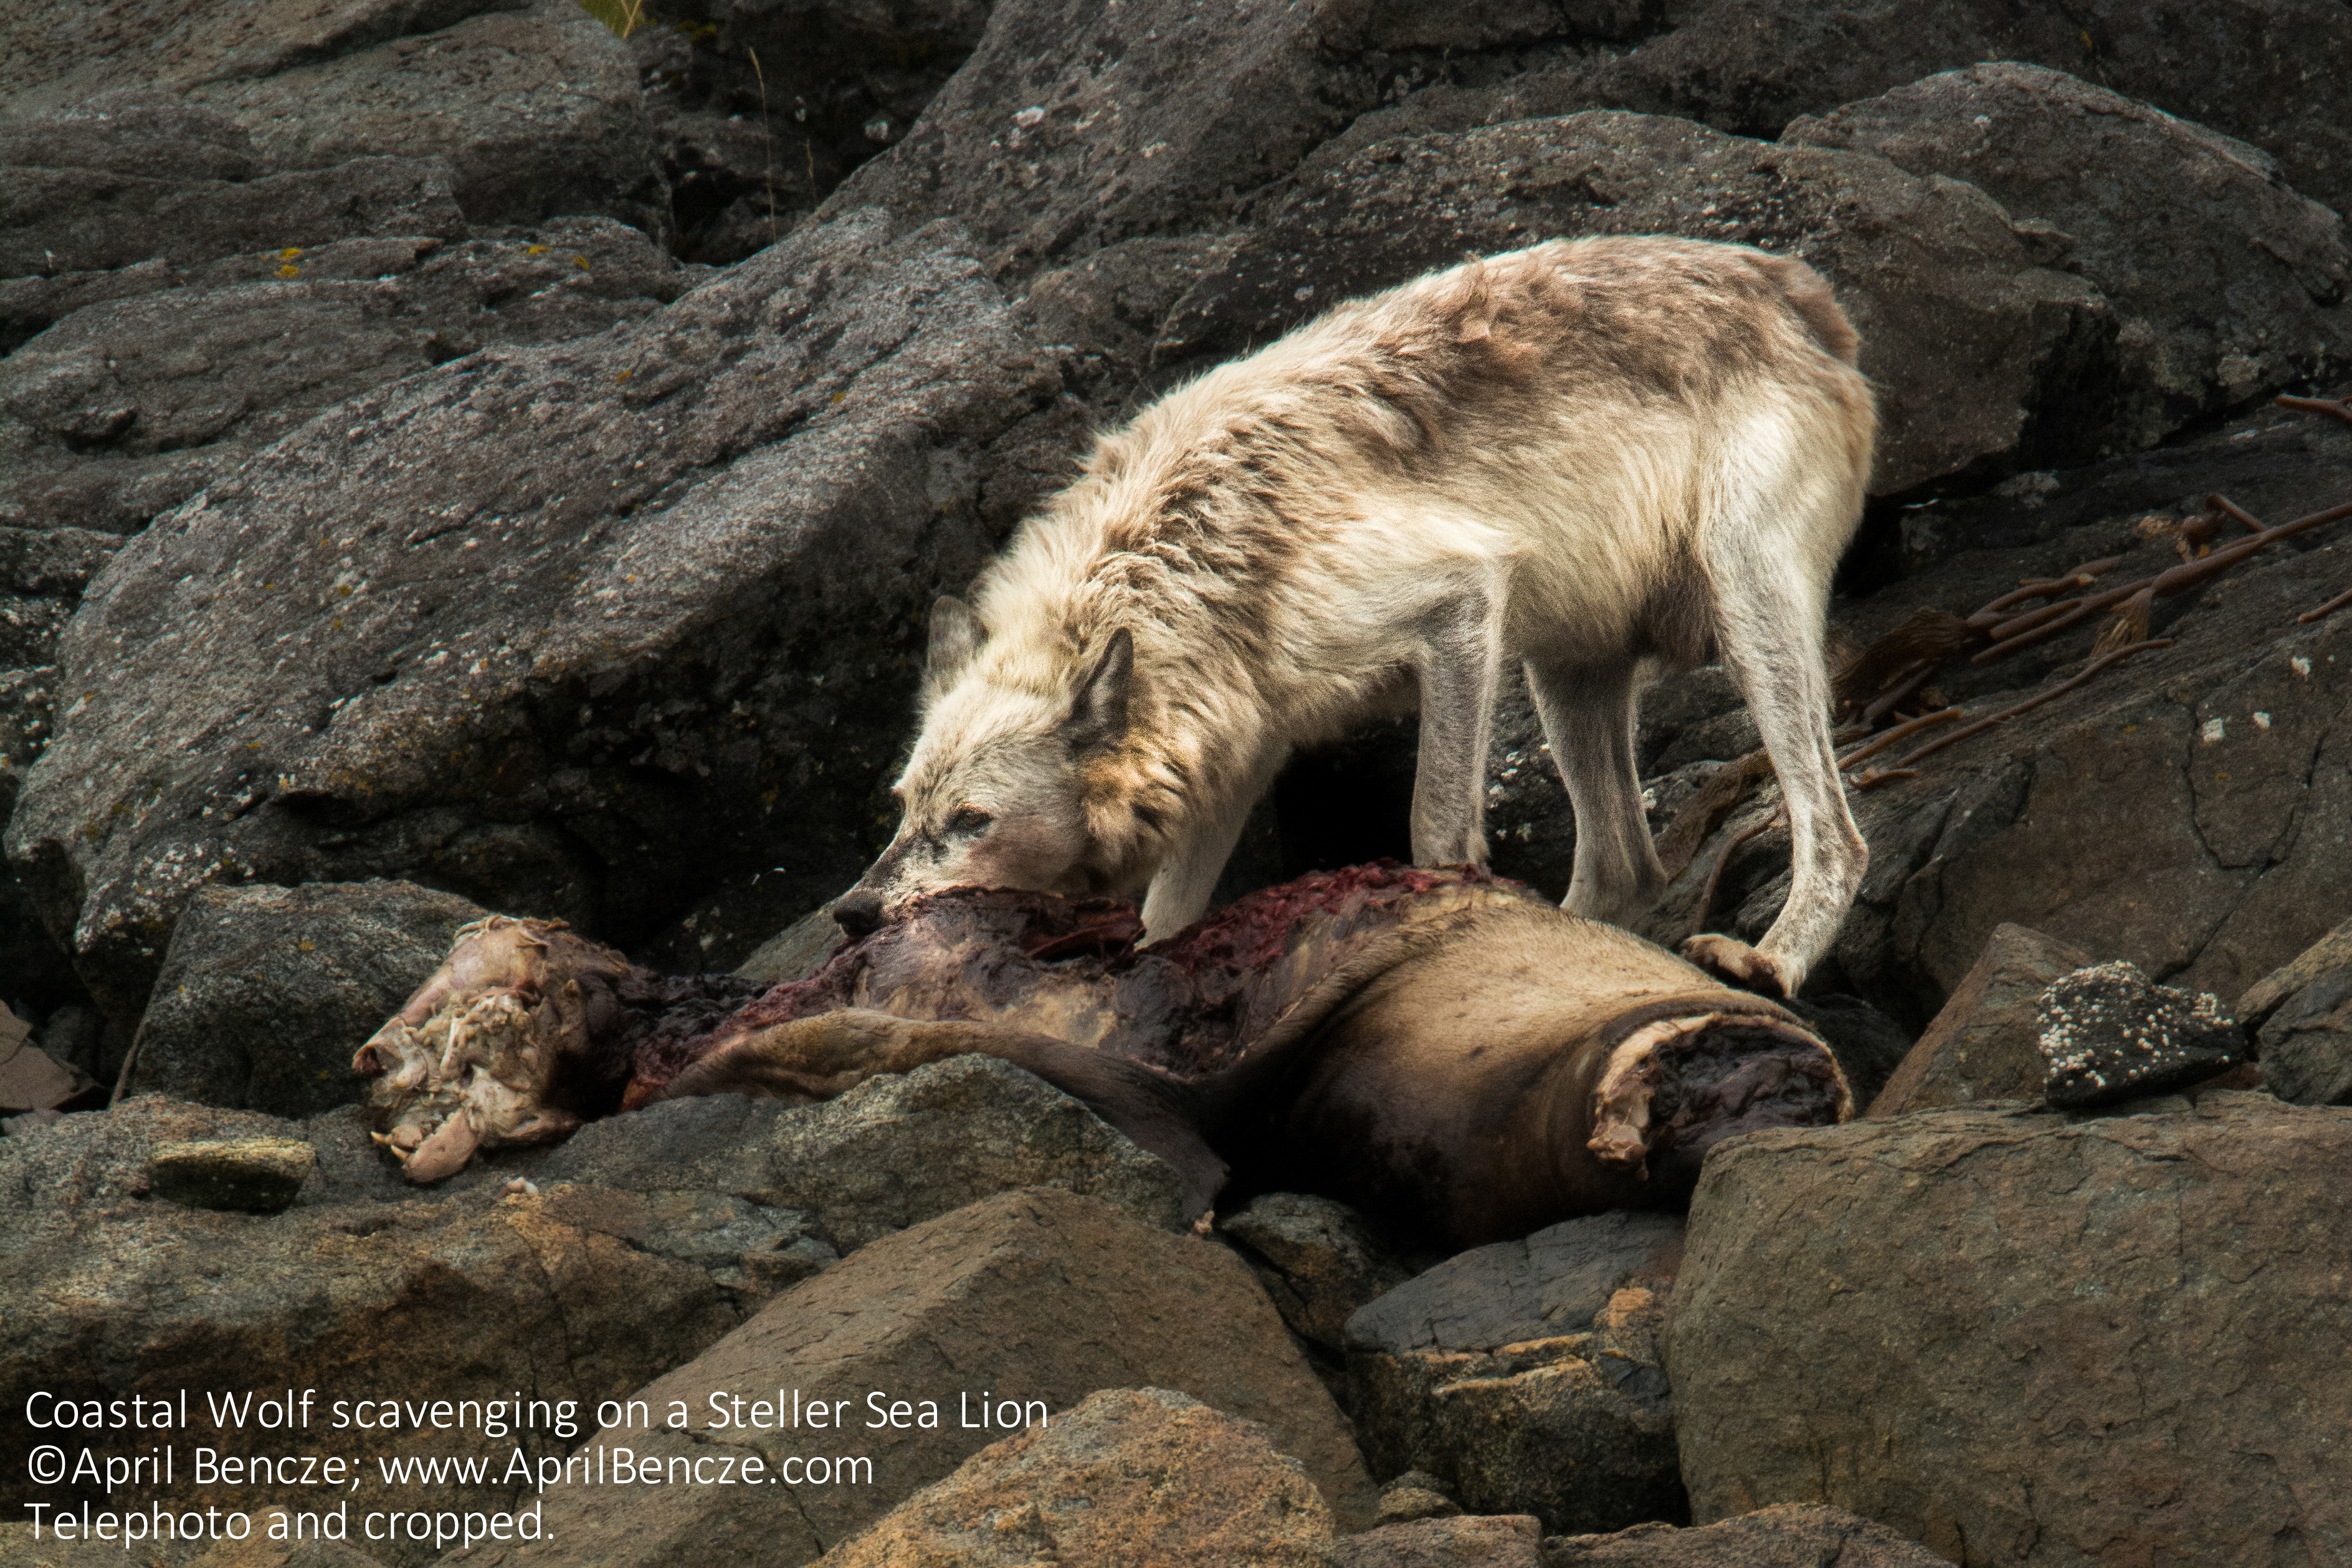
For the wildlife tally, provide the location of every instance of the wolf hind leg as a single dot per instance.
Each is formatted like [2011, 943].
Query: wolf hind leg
[1588, 718]
[1460, 667]
[1770, 572]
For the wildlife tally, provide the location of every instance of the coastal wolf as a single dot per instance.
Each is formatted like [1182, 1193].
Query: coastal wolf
[1600, 458]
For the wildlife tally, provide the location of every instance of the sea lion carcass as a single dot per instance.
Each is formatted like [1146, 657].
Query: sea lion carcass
[1459, 1056]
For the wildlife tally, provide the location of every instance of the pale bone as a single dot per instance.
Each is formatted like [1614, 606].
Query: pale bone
[467, 1062]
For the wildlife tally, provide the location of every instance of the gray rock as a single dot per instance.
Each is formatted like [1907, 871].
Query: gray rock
[40, 974]
[749, 148]
[1782, 1536]
[654, 596]
[251, 1176]
[1552, 1283]
[2109, 1036]
[79, 220]
[2324, 956]
[89, 50]
[1752, 66]
[1316, 1260]
[1416, 1494]
[2109, 1305]
[535, 108]
[1131, 1475]
[129, 405]
[2305, 1044]
[1526, 1375]
[473, 1299]
[266, 991]
[1984, 1044]
[1107, 306]
[1576, 1428]
[534, 105]
[150, 131]
[2225, 283]
[796, 952]
[1506, 1541]
[889, 1154]
[1028, 1296]
[1073, 127]
[43, 575]
[1967, 334]
[1679, 704]
[736, 184]
[749, 1250]
[1722, 737]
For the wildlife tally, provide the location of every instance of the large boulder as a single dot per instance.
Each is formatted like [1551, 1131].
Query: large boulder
[1752, 66]
[891, 1152]
[2304, 1011]
[1072, 126]
[2225, 283]
[267, 991]
[1138, 1476]
[1025, 1303]
[532, 104]
[112, 1290]
[1969, 335]
[1783, 1536]
[131, 205]
[2122, 1339]
[1486, 1541]
[1524, 1375]
[761, 110]
[576, 629]
[129, 404]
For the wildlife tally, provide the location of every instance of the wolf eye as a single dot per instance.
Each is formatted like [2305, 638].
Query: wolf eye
[969, 819]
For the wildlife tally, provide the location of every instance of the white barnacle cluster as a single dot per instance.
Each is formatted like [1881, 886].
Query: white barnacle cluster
[2078, 1030]
[2108, 1023]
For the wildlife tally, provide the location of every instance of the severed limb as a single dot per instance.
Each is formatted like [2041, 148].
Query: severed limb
[817, 1058]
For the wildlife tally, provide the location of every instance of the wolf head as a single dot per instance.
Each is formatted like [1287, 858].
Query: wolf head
[1010, 779]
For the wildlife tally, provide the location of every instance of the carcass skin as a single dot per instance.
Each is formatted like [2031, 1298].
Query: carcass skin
[1480, 1077]
[1070, 969]
[1447, 1050]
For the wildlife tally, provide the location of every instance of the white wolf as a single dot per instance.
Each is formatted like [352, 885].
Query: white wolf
[1600, 457]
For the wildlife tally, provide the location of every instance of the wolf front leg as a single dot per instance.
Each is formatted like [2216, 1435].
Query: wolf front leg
[1588, 718]
[1179, 893]
[1772, 595]
[1460, 665]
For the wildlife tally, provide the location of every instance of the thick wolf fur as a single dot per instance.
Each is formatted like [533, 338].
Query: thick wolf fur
[1599, 457]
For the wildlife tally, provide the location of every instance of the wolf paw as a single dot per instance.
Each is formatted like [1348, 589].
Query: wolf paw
[1734, 962]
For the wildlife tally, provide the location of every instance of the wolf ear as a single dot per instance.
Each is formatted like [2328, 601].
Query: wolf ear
[1098, 718]
[956, 636]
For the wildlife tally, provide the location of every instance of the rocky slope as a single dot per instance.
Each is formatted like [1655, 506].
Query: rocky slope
[455, 459]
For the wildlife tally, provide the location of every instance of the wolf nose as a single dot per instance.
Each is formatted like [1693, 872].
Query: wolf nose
[857, 911]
